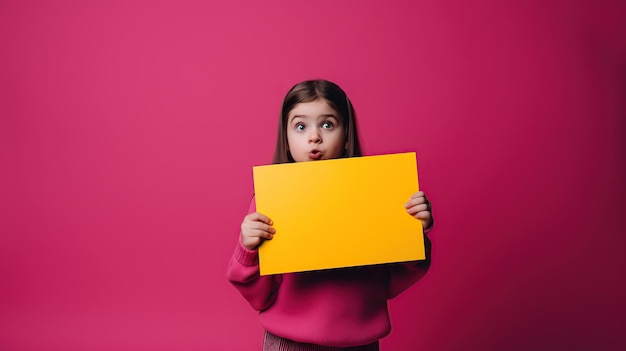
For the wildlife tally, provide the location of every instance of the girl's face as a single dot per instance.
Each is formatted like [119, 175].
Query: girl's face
[315, 132]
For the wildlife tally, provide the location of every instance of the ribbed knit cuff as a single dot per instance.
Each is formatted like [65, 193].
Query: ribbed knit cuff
[246, 257]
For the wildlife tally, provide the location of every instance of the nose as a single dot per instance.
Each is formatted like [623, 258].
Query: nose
[314, 136]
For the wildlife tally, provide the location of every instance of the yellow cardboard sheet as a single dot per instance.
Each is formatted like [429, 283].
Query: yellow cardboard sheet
[338, 213]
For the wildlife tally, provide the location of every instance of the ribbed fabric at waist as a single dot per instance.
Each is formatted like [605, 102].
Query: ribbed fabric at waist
[273, 342]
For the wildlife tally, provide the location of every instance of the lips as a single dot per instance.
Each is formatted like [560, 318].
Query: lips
[315, 154]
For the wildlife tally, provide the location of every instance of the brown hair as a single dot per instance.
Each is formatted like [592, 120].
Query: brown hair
[312, 90]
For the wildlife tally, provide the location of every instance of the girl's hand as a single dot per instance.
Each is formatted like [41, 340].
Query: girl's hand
[255, 228]
[419, 207]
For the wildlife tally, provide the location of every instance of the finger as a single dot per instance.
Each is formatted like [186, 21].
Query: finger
[263, 227]
[262, 234]
[418, 198]
[418, 194]
[415, 201]
[256, 225]
[253, 239]
[417, 208]
[256, 216]
[423, 215]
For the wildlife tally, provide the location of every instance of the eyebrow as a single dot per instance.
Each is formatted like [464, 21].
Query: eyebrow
[304, 116]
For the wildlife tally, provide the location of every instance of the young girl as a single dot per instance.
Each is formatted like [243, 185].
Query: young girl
[337, 309]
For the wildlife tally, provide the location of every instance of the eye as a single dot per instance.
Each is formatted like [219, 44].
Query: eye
[300, 127]
[327, 125]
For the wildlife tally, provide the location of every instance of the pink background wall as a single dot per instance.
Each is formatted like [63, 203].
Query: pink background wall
[128, 130]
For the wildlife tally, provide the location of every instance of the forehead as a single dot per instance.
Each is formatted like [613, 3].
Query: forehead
[312, 109]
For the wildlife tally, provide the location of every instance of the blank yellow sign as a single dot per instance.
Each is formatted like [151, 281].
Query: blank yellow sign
[338, 213]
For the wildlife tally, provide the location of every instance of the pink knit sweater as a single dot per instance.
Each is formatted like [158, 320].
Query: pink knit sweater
[338, 307]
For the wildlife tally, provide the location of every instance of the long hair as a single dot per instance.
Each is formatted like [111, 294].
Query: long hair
[309, 91]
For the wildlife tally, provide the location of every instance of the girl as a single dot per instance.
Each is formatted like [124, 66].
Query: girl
[338, 309]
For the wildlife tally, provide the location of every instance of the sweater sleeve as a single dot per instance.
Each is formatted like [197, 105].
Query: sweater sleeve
[243, 273]
[403, 275]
